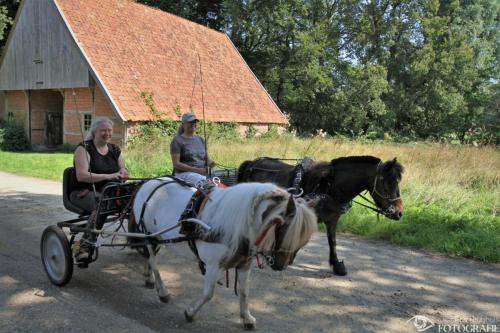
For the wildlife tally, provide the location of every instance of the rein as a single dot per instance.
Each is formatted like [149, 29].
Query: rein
[259, 239]
[262, 169]
[374, 207]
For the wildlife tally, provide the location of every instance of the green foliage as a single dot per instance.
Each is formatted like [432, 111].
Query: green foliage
[250, 132]
[205, 12]
[8, 11]
[218, 131]
[5, 20]
[150, 131]
[161, 127]
[272, 133]
[13, 138]
[414, 69]
[67, 148]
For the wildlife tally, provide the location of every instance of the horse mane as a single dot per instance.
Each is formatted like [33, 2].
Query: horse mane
[236, 214]
[392, 166]
[356, 159]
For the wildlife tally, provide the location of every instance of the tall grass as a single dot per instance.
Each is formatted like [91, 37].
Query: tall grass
[451, 193]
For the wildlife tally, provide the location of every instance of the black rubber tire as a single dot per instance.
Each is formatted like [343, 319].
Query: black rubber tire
[56, 255]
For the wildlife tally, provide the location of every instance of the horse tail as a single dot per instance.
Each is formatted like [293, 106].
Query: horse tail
[244, 171]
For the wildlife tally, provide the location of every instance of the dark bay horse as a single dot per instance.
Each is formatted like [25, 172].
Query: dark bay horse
[334, 184]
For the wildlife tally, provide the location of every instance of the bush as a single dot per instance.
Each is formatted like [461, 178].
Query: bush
[219, 131]
[159, 130]
[250, 132]
[67, 148]
[272, 133]
[13, 138]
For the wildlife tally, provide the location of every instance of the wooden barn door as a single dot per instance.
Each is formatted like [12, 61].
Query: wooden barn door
[54, 132]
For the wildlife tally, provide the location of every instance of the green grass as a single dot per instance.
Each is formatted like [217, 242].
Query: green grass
[451, 193]
[432, 228]
[41, 165]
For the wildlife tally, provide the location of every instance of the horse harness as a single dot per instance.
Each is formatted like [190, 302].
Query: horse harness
[295, 185]
[193, 208]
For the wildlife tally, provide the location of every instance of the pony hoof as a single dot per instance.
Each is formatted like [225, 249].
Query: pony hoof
[149, 285]
[189, 318]
[249, 327]
[339, 268]
[165, 299]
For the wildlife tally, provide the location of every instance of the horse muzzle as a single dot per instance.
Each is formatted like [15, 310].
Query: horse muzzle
[395, 210]
[281, 260]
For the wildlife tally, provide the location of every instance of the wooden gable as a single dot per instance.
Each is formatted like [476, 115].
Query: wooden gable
[40, 52]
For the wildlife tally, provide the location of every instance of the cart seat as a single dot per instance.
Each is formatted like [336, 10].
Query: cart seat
[69, 183]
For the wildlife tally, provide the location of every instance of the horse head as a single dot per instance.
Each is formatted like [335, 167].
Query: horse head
[385, 191]
[287, 226]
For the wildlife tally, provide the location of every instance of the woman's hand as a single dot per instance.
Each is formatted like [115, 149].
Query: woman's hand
[202, 171]
[123, 174]
[113, 176]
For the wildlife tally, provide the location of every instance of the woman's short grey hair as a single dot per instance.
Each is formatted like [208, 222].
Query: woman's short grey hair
[96, 123]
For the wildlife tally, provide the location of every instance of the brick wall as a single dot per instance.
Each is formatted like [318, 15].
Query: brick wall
[75, 106]
[103, 109]
[17, 103]
[87, 101]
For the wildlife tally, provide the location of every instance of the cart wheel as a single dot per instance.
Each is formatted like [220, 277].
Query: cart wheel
[133, 227]
[56, 255]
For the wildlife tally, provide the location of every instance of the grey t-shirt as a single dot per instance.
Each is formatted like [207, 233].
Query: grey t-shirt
[191, 150]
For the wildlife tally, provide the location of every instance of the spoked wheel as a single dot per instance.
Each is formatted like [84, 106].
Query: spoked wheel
[56, 255]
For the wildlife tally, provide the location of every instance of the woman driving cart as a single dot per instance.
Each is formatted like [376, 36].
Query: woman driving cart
[97, 162]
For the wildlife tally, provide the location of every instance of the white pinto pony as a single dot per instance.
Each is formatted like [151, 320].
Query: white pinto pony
[243, 220]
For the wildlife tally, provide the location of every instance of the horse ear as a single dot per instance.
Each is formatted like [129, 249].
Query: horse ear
[390, 164]
[290, 206]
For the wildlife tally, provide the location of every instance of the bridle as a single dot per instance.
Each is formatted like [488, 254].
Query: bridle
[270, 256]
[373, 192]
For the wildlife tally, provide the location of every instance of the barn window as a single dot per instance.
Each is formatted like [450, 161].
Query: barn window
[87, 121]
[10, 116]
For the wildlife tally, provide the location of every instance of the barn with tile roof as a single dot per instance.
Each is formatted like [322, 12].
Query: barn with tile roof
[68, 61]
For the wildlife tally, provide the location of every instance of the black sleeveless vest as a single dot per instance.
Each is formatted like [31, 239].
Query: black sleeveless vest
[106, 164]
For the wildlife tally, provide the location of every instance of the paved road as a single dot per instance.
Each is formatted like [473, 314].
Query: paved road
[386, 286]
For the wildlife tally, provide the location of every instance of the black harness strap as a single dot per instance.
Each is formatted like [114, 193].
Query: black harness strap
[144, 205]
[296, 183]
[192, 210]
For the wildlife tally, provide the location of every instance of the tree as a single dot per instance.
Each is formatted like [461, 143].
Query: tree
[8, 9]
[205, 12]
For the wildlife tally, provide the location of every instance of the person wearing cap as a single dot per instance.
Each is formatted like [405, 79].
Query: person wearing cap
[189, 156]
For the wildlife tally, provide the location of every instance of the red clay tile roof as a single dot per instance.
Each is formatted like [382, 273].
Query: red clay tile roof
[137, 49]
